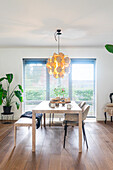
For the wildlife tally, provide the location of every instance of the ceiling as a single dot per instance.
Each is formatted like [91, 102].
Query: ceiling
[32, 23]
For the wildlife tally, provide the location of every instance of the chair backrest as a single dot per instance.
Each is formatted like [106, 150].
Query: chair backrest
[81, 104]
[75, 117]
[71, 117]
[85, 110]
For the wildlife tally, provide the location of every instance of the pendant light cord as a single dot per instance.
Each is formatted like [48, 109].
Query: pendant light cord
[58, 44]
[58, 33]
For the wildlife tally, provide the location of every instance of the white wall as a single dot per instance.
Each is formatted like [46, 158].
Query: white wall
[11, 61]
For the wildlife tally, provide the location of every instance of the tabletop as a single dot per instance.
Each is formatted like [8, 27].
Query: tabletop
[43, 107]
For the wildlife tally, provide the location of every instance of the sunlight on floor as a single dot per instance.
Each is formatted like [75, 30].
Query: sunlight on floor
[90, 120]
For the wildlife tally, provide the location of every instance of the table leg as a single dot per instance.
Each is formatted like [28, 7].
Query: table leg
[80, 132]
[33, 131]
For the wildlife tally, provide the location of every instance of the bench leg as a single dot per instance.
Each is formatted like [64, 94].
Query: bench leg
[14, 136]
[105, 117]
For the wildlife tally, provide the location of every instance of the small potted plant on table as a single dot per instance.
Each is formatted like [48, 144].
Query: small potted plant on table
[59, 91]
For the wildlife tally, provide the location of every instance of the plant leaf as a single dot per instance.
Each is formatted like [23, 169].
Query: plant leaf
[9, 77]
[0, 101]
[4, 94]
[17, 105]
[1, 94]
[0, 86]
[109, 48]
[20, 87]
[1, 79]
[18, 94]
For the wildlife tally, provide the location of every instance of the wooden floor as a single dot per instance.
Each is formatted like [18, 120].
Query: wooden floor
[50, 154]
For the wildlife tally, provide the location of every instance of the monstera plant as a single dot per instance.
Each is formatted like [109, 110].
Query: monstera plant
[8, 96]
[109, 48]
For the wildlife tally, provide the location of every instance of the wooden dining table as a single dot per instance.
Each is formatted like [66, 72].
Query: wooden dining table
[44, 108]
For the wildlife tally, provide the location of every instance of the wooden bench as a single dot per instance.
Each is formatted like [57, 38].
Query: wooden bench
[21, 122]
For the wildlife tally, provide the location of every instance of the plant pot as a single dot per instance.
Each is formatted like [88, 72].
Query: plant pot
[7, 109]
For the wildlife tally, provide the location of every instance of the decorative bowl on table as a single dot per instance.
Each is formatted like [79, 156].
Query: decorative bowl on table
[55, 99]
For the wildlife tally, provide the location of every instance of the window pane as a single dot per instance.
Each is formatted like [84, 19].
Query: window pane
[35, 84]
[83, 84]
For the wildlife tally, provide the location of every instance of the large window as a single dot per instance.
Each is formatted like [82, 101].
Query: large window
[83, 83]
[34, 83]
[79, 85]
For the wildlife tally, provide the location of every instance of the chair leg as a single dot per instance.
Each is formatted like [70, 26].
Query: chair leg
[44, 120]
[52, 118]
[41, 123]
[84, 134]
[65, 134]
[111, 118]
[105, 117]
[14, 136]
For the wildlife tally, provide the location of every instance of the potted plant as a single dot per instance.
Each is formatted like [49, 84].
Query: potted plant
[7, 96]
[59, 91]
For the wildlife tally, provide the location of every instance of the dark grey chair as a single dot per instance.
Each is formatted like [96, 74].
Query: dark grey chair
[73, 119]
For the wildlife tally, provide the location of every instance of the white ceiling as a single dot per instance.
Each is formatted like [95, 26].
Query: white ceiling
[33, 22]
